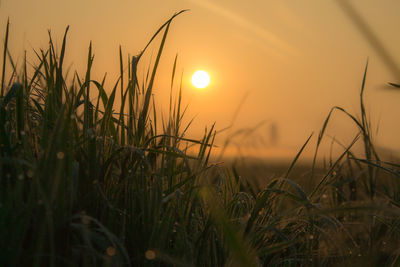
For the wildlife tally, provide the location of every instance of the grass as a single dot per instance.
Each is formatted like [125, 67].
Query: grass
[85, 182]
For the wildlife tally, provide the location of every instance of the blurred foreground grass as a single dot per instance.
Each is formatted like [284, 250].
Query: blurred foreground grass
[85, 182]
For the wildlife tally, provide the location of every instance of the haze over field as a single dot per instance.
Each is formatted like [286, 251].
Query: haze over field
[290, 61]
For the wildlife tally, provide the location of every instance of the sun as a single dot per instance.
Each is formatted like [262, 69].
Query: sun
[200, 79]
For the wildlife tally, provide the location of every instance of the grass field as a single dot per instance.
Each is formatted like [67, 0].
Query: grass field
[85, 182]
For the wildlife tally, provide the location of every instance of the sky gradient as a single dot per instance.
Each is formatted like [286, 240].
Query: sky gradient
[283, 62]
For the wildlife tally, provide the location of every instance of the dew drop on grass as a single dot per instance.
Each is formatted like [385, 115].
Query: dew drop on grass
[150, 254]
[30, 173]
[85, 219]
[60, 155]
[110, 251]
[90, 133]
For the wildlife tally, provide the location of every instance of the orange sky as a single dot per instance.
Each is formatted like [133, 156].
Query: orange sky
[293, 59]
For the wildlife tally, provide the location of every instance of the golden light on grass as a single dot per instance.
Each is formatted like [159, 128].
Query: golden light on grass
[200, 79]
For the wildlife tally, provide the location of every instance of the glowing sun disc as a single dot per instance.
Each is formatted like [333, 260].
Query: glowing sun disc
[200, 79]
